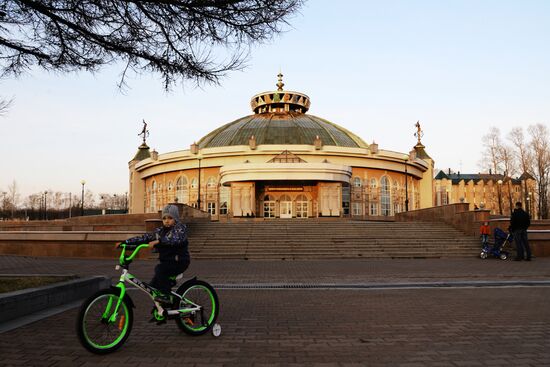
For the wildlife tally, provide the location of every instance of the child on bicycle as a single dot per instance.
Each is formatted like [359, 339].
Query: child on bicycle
[484, 232]
[171, 242]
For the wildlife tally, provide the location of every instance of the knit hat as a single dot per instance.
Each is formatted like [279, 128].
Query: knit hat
[171, 211]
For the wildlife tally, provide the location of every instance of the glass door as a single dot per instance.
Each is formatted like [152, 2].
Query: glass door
[286, 206]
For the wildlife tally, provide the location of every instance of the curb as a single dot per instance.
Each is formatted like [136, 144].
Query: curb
[25, 302]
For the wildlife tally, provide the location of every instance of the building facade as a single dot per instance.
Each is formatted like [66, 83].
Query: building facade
[281, 162]
[495, 192]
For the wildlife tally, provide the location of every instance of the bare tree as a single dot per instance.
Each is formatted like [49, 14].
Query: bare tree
[196, 40]
[508, 163]
[540, 147]
[13, 197]
[5, 105]
[491, 155]
[522, 151]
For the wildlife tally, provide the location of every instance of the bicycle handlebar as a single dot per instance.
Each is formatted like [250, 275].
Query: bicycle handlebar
[127, 260]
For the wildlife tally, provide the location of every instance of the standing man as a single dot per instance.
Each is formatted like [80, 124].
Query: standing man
[519, 222]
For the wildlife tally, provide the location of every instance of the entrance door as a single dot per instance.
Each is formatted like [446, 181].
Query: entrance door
[286, 207]
[269, 207]
[301, 207]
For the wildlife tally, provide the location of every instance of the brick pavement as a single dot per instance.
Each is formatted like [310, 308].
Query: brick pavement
[296, 327]
[312, 271]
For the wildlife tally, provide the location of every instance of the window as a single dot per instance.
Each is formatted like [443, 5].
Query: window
[301, 206]
[356, 209]
[345, 199]
[170, 186]
[194, 183]
[211, 208]
[182, 192]
[373, 183]
[385, 199]
[224, 199]
[211, 183]
[269, 207]
[373, 208]
[357, 182]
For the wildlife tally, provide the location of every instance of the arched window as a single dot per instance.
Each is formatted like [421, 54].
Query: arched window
[211, 183]
[385, 200]
[182, 192]
[194, 183]
[357, 182]
[373, 183]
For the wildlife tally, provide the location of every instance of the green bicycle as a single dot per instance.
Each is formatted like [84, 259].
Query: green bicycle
[105, 319]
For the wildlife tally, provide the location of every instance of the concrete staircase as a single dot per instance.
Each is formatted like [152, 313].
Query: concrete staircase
[318, 239]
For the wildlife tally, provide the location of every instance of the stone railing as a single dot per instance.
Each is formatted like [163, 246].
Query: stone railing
[459, 216]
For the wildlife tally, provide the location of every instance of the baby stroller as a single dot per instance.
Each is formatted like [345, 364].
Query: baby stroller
[501, 239]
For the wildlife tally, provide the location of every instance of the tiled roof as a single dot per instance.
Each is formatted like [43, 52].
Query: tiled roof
[476, 177]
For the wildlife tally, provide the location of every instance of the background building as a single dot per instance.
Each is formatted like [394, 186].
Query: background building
[495, 192]
[281, 162]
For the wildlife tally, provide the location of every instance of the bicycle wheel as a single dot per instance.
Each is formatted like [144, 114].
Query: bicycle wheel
[95, 332]
[197, 293]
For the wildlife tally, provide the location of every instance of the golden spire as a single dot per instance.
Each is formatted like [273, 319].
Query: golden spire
[419, 133]
[280, 83]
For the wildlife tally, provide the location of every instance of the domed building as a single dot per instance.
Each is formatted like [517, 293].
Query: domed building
[281, 162]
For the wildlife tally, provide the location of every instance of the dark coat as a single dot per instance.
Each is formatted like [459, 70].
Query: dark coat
[520, 220]
[173, 244]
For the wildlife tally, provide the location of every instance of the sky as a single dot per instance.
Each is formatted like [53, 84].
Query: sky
[372, 67]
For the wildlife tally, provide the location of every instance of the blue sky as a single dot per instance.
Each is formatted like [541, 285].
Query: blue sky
[373, 67]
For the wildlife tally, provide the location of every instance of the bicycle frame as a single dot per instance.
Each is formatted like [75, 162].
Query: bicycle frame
[131, 279]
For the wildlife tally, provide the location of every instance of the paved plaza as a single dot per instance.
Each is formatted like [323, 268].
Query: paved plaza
[481, 313]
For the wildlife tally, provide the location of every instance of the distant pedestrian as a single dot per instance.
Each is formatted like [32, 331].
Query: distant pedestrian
[519, 222]
[484, 232]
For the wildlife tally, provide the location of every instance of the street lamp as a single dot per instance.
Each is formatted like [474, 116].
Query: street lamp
[499, 182]
[529, 202]
[406, 184]
[83, 182]
[199, 193]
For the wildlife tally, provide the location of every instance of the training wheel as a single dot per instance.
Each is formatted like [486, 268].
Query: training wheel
[483, 255]
[216, 330]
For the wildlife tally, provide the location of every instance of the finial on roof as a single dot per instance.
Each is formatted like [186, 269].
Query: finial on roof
[419, 133]
[280, 83]
[144, 132]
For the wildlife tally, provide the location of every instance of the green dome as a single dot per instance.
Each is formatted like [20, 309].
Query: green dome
[281, 128]
[280, 118]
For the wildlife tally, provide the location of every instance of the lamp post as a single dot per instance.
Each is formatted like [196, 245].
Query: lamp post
[199, 193]
[83, 182]
[529, 194]
[499, 182]
[406, 184]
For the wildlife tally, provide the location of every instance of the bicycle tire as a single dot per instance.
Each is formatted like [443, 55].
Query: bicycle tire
[95, 333]
[201, 293]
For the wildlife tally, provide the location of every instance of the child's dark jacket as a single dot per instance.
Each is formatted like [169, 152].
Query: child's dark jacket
[173, 244]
